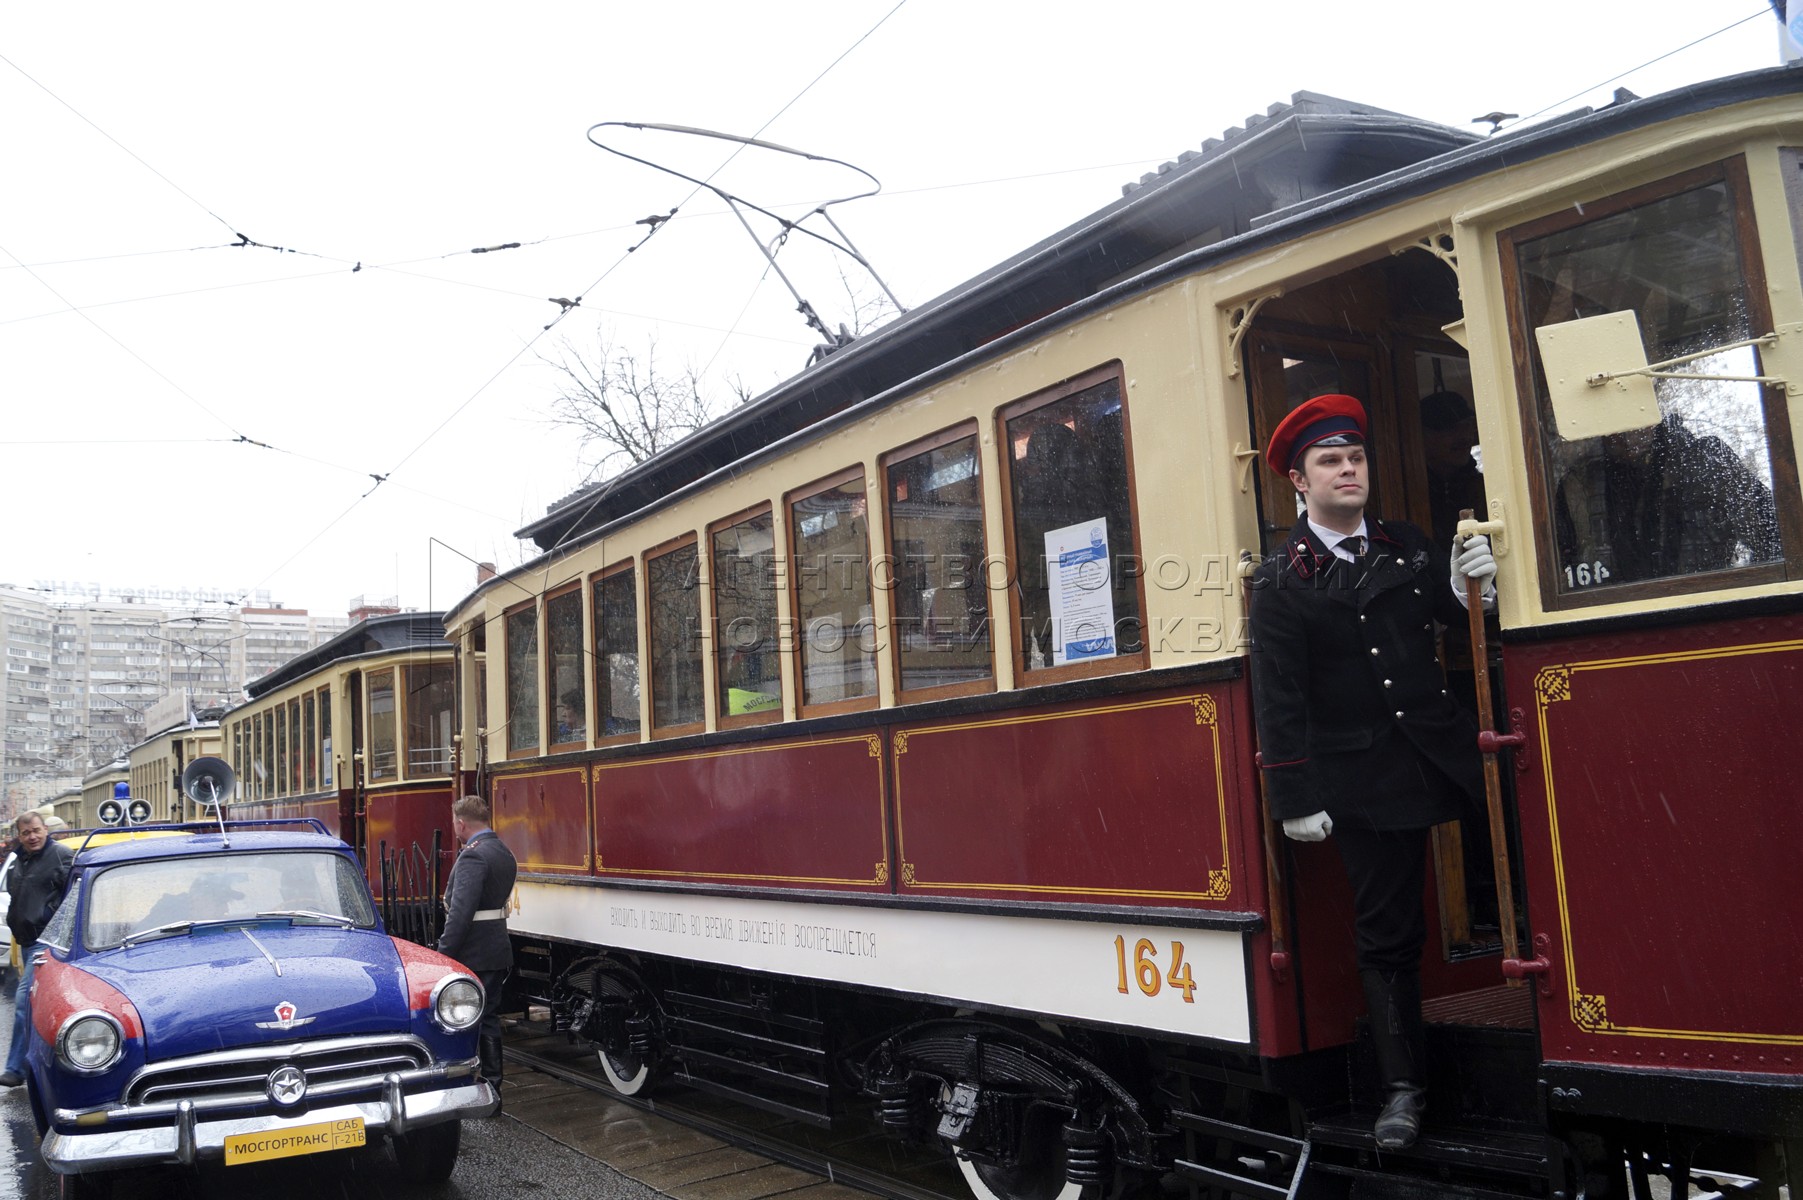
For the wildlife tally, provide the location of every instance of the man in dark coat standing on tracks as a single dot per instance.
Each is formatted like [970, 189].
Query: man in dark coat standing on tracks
[34, 891]
[1358, 736]
[475, 922]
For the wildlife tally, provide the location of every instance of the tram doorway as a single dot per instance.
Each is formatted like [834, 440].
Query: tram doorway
[1376, 333]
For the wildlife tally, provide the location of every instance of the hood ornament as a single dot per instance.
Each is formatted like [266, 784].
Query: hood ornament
[285, 1018]
[287, 1085]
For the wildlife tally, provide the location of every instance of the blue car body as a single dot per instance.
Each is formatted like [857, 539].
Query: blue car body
[236, 1029]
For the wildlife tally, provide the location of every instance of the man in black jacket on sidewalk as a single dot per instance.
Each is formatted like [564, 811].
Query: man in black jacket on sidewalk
[1357, 735]
[34, 890]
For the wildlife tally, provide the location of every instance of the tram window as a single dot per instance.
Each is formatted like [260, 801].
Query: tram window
[382, 758]
[934, 497]
[1076, 594]
[238, 748]
[294, 746]
[325, 737]
[522, 680]
[747, 666]
[281, 750]
[482, 694]
[1694, 494]
[568, 702]
[829, 531]
[616, 606]
[312, 740]
[673, 598]
[429, 690]
[259, 755]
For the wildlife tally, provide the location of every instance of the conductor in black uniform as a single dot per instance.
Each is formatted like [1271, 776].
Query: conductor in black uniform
[1358, 736]
[475, 922]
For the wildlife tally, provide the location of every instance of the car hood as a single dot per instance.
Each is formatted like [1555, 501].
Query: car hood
[216, 988]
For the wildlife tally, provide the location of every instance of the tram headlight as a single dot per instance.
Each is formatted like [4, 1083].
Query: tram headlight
[89, 1043]
[457, 1003]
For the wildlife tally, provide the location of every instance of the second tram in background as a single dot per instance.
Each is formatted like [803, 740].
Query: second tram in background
[819, 802]
[358, 732]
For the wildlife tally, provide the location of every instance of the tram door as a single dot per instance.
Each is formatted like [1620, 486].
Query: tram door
[1375, 333]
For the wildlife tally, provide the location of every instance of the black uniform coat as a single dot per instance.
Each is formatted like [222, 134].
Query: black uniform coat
[1351, 702]
[482, 878]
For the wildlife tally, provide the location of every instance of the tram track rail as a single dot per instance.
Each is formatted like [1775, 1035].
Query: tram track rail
[785, 1141]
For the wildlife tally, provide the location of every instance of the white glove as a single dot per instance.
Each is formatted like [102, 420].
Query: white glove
[1312, 828]
[1471, 559]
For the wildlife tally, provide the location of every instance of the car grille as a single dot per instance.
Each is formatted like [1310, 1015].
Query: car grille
[338, 1067]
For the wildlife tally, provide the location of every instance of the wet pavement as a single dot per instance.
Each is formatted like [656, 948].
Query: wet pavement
[555, 1139]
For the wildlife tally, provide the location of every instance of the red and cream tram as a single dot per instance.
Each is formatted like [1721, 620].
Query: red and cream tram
[889, 742]
[358, 732]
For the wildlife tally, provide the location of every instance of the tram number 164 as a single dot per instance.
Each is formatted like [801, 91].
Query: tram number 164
[1145, 970]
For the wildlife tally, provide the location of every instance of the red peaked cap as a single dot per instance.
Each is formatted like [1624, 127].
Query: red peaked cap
[1312, 423]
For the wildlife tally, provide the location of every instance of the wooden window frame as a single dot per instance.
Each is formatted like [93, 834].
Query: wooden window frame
[800, 636]
[649, 675]
[310, 740]
[297, 751]
[538, 619]
[548, 701]
[594, 581]
[945, 437]
[279, 714]
[1774, 406]
[328, 772]
[778, 548]
[1120, 664]
[397, 684]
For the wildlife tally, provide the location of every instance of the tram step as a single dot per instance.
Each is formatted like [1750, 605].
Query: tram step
[1463, 1160]
[1249, 1162]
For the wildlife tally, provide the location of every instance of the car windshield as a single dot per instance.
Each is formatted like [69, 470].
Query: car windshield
[168, 896]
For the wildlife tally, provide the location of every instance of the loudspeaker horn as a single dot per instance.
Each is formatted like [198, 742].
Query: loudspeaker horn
[209, 781]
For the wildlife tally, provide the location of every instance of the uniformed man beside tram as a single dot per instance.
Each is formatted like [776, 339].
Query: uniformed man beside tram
[475, 921]
[1358, 737]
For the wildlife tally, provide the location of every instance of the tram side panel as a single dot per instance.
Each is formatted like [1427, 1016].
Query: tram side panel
[1659, 829]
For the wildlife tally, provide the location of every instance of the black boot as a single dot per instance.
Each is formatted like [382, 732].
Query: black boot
[488, 1051]
[1394, 998]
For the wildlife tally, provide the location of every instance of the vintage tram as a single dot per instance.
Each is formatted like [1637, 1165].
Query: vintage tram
[889, 744]
[358, 733]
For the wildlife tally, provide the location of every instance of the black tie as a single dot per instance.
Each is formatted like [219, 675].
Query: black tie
[1355, 545]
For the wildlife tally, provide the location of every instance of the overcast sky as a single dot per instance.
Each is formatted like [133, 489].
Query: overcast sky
[139, 141]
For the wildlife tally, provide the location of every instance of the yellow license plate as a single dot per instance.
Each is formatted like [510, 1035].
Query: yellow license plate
[286, 1143]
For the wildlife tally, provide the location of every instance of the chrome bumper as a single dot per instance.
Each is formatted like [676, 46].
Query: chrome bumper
[190, 1137]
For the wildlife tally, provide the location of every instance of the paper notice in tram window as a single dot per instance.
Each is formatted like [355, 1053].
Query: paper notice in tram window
[1081, 592]
[740, 701]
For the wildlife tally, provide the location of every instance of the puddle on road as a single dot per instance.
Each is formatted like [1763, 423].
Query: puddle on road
[22, 1174]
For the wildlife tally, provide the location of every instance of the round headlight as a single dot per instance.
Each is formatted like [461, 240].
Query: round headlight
[458, 1003]
[89, 1042]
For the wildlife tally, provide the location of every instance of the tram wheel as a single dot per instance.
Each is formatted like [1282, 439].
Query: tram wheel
[1039, 1173]
[607, 1004]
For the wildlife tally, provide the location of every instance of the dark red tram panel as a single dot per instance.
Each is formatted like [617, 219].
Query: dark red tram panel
[544, 817]
[1129, 800]
[1660, 826]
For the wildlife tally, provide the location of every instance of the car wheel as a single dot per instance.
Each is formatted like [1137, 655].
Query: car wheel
[427, 1155]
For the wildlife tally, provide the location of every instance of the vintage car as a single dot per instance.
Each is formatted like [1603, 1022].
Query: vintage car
[232, 995]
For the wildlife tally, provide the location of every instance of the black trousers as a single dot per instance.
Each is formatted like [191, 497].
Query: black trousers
[1387, 868]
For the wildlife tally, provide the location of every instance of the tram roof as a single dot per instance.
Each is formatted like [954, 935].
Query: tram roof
[1315, 162]
[372, 635]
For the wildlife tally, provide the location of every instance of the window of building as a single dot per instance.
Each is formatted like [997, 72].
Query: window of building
[430, 691]
[1074, 555]
[1692, 501]
[748, 665]
[616, 606]
[382, 760]
[933, 492]
[564, 670]
[829, 532]
[673, 599]
[522, 680]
